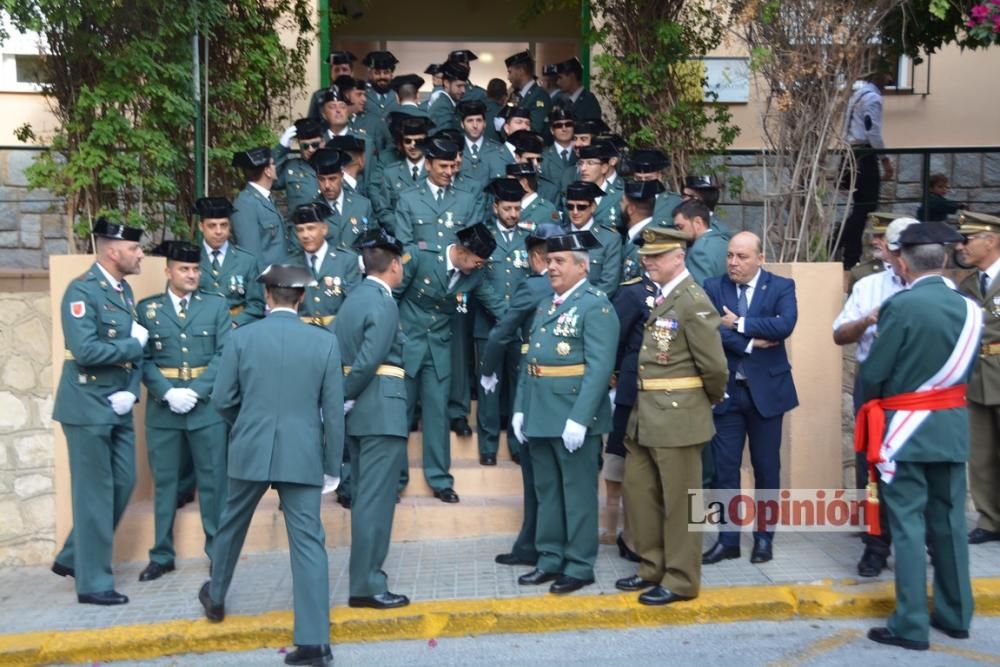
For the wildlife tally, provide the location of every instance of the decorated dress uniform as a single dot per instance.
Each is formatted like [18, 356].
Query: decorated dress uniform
[296, 176]
[339, 59]
[682, 372]
[258, 228]
[605, 259]
[482, 159]
[229, 271]
[350, 213]
[535, 210]
[403, 174]
[381, 101]
[647, 164]
[443, 111]
[562, 409]
[434, 289]
[535, 99]
[97, 388]
[371, 346]
[187, 333]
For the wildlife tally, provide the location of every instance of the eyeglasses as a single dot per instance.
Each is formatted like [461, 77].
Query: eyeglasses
[562, 124]
[578, 207]
[310, 145]
[410, 141]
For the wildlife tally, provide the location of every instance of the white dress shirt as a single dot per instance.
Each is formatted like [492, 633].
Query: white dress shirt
[176, 300]
[559, 298]
[637, 228]
[320, 254]
[261, 189]
[221, 250]
[864, 124]
[868, 294]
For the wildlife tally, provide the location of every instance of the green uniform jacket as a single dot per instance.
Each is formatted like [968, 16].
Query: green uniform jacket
[556, 171]
[492, 109]
[473, 93]
[538, 102]
[687, 325]
[381, 104]
[426, 306]
[369, 335]
[420, 218]
[394, 179]
[918, 329]
[344, 227]
[608, 211]
[984, 384]
[442, 113]
[296, 177]
[507, 268]
[280, 386]
[516, 322]
[236, 282]
[96, 324]
[586, 106]
[605, 262]
[374, 126]
[491, 163]
[337, 276]
[706, 257]
[258, 228]
[196, 341]
[366, 175]
[583, 329]
[538, 211]
[663, 210]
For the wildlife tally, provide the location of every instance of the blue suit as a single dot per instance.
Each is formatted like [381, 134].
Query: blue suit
[756, 404]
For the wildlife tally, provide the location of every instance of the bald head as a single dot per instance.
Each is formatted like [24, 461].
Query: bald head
[744, 257]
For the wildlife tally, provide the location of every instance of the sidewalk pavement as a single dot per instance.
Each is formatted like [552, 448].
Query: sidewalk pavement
[456, 589]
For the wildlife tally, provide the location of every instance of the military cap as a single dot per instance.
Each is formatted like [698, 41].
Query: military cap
[646, 160]
[113, 230]
[404, 123]
[658, 240]
[505, 189]
[212, 207]
[179, 251]
[616, 141]
[706, 182]
[433, 69]
[451, 134]
[440, 148]
[308, 128]
[347, 143]
[550, 70]
[406, 80]
[542, 233]
[287, 275]
[879, 221]
[591, 126]
[972, 223]
[380, 60]
[462, 56]
[316, 211]
[599, 150]
[467, 108]
[253, 158]
[560, 112]
[340, 58]
[454, 71]
[346, 84]
[332, 94]
[377, 237]
[521, 169]
[526, 141]
[643, 190]
[517, 112]
[329, 161]
[477, 239]
[895, 229]
[573, 241]
[519, 58]
[573, 65]
[929, 233]
[583, 191]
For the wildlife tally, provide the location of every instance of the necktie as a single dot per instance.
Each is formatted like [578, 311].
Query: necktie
[416, 171]
[475, 151]
[184, 308]
[565, 155]
[336, 209]
[984, 283]
[215, 262]
[440, 195]
[742, 306]
[312, 265]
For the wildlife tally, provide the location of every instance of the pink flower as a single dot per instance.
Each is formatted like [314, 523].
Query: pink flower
[980, 12]
[970, 24]
[996, 23]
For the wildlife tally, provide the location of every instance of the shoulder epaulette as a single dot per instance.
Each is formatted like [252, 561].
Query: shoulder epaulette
[632, 281]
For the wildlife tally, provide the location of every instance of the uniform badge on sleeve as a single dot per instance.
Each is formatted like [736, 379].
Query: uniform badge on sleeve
[78, 309]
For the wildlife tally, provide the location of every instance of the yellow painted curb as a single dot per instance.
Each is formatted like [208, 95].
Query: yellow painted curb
[456, 618]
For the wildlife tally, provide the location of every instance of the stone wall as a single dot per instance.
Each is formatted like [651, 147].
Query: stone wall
[32, 226]
[27, 489]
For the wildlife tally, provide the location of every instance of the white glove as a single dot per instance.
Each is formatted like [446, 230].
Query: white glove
[498, 123]
[611, 397]
[489, 383]
[348, 405]
[140, 333]
[516, 424]
[573, 435]
[122, 401]
[330, 484]
[181, 399]
[287, 136]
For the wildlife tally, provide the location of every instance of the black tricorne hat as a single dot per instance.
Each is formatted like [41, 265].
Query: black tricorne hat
[287, 275]
[477, 239]
[212, 207]
[113, 230]
[573, 241]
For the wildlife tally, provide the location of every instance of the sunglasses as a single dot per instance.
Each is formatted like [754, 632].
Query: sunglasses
[578, 207]
[562, 124]
[410, 141]
[310, 145]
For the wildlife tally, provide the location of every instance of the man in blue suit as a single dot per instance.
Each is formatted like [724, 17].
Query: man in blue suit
[758, 312]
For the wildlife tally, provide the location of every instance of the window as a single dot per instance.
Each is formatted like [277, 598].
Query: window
[21, 61]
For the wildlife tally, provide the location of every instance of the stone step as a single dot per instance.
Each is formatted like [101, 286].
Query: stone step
[503, 479]
[462, 449]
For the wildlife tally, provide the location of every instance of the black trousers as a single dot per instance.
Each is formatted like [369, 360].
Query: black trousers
[864, 201]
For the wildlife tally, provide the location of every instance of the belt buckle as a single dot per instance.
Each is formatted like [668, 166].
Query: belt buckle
[533, 370]
[184, 373]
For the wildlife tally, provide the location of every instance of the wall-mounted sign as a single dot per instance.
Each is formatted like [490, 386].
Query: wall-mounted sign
[729, 78]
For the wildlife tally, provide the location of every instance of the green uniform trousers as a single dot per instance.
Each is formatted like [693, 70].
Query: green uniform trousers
[432, 390]
[375, 462]
[984, 463]
[656, 485]
[462, 366]
[493, 406]
[929, 497]
[524, 545]
[165, 448]
[306, 542]
[102, 475]
[187, 482]
[566, 489]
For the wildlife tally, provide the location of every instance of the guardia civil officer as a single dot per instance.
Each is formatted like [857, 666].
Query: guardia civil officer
[258, 228]
[227, 270]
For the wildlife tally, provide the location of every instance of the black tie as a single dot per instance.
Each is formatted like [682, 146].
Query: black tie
[215, 262]
[416, 171]
[565, 155]
[475, 150]
[312, 265]
[440, 195]
[336, 209]
[184, 308]
[984, 283]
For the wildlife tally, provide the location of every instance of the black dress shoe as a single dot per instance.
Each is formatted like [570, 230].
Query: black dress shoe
[951, 632]
[385, 600]
[565, 584]
[104, 598]
[446, 495]
[980, 535]
[213, 612]
[536, 577]
[487, 459]
[318, 655]
[184, 498]
[625, 552]
[885, 636]
[719, 552]
[461, 427]
[871, 564]
[761, 551]
[633, 583]
[516, 458]
[660, 595]
[62, 570]
[511, 559]
[344, 501]
[156, 570]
